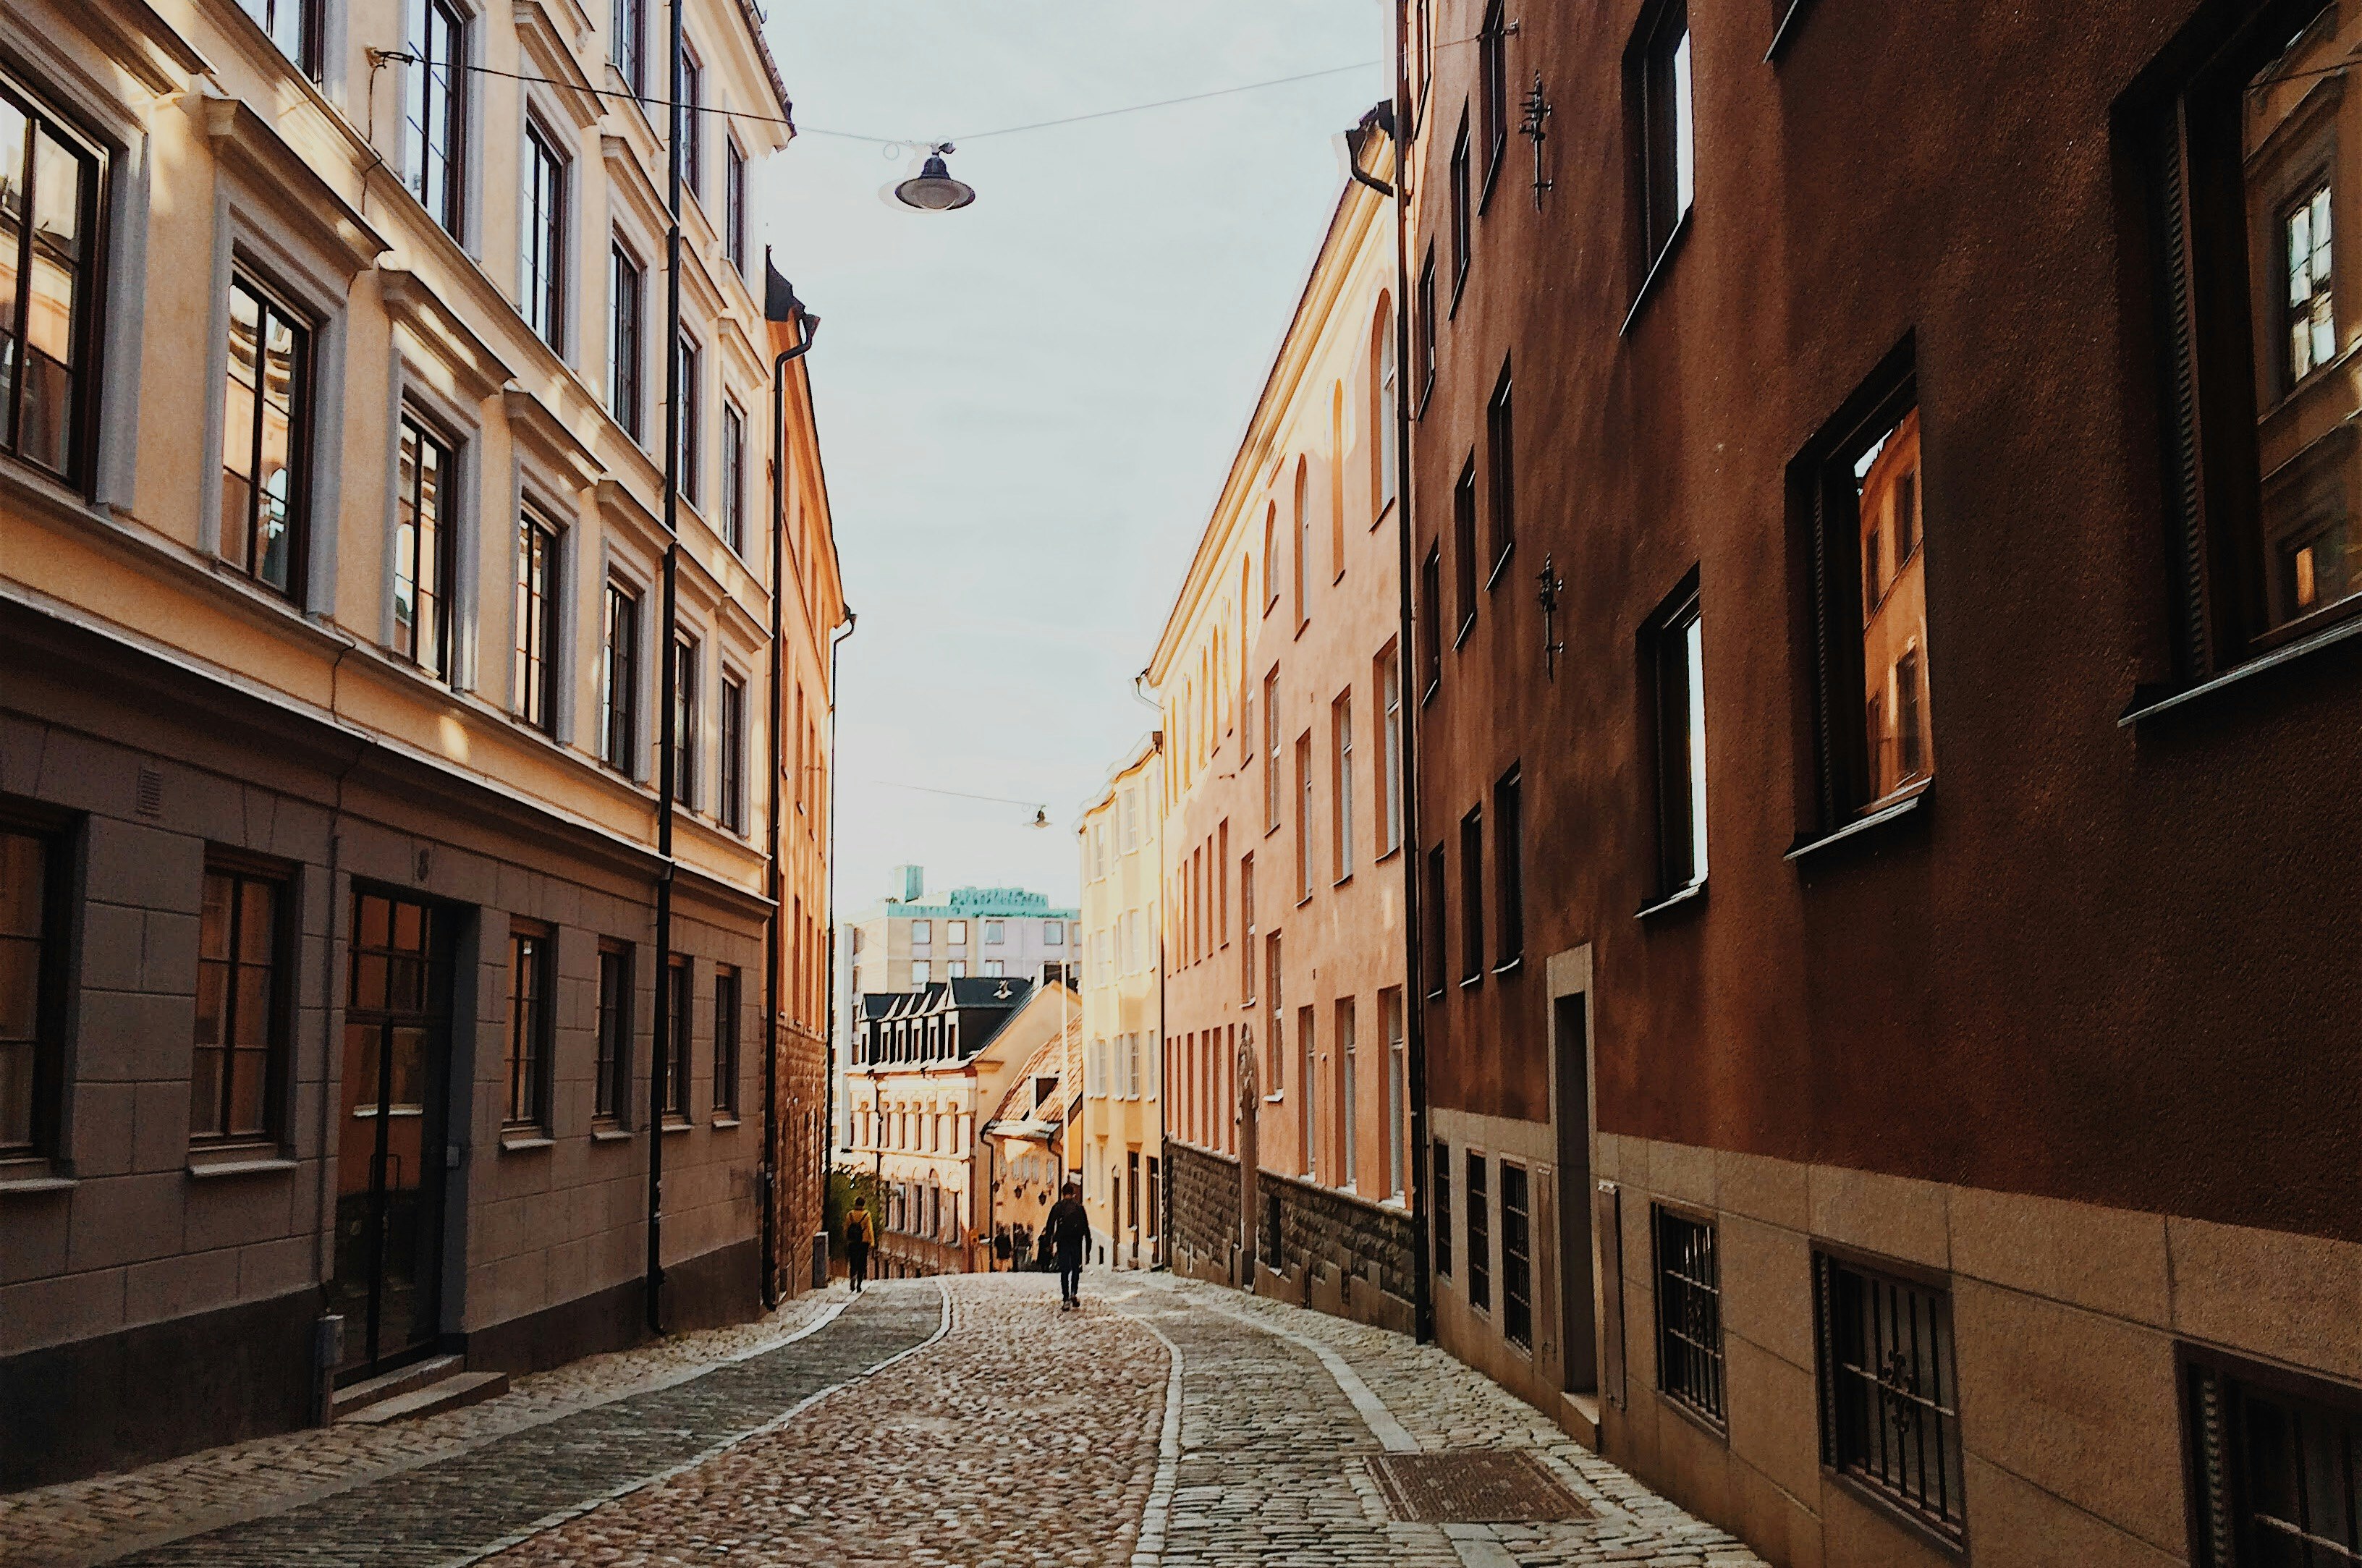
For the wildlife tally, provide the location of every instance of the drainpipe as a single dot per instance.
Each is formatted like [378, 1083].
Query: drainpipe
[828, 1089]
[1165, 1081]
[1414, 1005]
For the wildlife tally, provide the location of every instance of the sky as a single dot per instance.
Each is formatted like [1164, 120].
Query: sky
[1027, 407]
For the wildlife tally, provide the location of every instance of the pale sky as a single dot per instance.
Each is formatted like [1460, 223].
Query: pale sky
[1027, 407]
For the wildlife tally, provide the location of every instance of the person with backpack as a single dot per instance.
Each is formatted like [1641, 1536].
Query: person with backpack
[1068, 1230]
[860, 1235]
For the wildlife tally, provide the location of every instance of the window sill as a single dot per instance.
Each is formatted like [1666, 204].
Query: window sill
[204, 1169]
[1896, 813]
[610, 1134]
[2147, 705]
[1427, 698]
[34, 1176]
[1887, 1507]
[525, 1139]
[1276, 1096]
[1510, 966]
[1383, 511]
[1694, 893]
[1657, 270]
[1304, 900]
[1467, 625]
[1500, 565]
[725, 1121]
[1494, 160]
[1470, 982]
[1693, 1415]
[1343, 880]
[1785, 30]
[1386, 854]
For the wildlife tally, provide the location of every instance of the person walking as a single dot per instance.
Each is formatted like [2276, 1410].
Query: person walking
[1069, 1230]
[860, 1235]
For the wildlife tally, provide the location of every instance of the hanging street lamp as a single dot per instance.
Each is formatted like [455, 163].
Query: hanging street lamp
[934, 190]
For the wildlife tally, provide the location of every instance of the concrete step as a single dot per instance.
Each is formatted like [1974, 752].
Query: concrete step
[355, 1397]
[453, 1393]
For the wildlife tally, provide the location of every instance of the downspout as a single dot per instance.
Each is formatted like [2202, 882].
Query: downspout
[1415, 1010]
[668, 698]
[1164, 1083]
[828, 1090]
[774, 881]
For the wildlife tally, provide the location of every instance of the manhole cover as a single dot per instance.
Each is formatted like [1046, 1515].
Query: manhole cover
[1473, 1488]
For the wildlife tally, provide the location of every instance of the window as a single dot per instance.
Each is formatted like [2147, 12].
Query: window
[1306, 1077]
[1270, 557]
[733, 203]
[266, 410]
[234, 1088]
[693, 121]
[994, 967]
[1472, 896]
[624, 349]
[726, 1039]
[692, 359]
[1676, 648]
[1425, 367]
[536, 620]
[1271, 1000]
[1430, 906]
[1463, 212]
[1430, 611]
[1247, 927]
[1516, 1259]
[676, 1075]
[1302, 544]
[1501, 479]
[1385, 409]
[619, 681]
[1689, 1314]
[1463, 546]
[1439, 1168]
[1875, 739]
[1131, 1077]
[1480, 1234]
[2265, 547]
[1336, 481]
[48, 218]
[1509, 866]
[2274, 1462]
[684, 720]
[1054, 933]
[423, 549]
[920, 972]
[955, 933]
[1889, 1417]
[630, 45]
[922, 931]
[1389, 677]
[1349, 1087]
[1657, 72]
[734, 475]
[612, 1093]
[994, 932]
[32, 875]
[1271, 750]
[1390, 1012]
[545, 237]
[1493, 89]
[1340, 786]
[293, 26]
[532, 989]
[1304, 816]
[732, 806]
[434, 117]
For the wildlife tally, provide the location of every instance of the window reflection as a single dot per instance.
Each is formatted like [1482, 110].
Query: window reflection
[1896, 729]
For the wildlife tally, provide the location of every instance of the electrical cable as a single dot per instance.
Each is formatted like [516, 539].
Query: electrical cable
[955, 794]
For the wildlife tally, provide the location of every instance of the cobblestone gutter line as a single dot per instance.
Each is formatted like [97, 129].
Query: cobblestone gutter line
[95, 1521]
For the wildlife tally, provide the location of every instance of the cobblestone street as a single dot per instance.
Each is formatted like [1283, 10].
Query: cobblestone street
[961, 1421]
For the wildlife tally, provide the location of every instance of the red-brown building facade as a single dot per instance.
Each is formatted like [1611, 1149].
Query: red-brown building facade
[1880, 486]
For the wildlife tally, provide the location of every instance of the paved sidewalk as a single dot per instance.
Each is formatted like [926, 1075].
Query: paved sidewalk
[965, 1420]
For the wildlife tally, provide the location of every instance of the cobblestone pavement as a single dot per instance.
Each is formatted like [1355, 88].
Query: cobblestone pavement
[1169, 1423]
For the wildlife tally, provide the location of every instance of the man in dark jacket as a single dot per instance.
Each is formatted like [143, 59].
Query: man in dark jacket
[1069, 1230]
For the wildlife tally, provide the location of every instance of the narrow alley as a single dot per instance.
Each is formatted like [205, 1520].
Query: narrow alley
[958, 1420]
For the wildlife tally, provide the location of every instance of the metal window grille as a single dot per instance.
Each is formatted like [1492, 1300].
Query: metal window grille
[1480, 1234]
[1516, 1259]
[1440, 1168]
[1689, 1314]
[1890, 1420]
[2278, 1473]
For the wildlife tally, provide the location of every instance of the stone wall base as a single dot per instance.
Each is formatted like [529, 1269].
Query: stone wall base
[1320, 1248]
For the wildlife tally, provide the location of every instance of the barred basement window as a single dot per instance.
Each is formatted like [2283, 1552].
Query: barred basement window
[1689, 1314]
[1516, 1259]
[1439, 1166]
[1480, 1235]
[1889, 1421]
[2276, 1464]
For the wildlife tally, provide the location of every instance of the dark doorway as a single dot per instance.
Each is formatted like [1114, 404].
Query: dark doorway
[1578, 1337]
[390, 1135]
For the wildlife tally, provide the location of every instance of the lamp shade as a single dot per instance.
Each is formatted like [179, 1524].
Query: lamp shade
[934, 190]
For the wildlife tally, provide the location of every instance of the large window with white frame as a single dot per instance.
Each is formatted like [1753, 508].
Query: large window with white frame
[544, 286]
[692, 361]
[435, 111]
[423, 547]
[628, 48]
[733, 203]
[619, 679]
[293, 26]
[266, 415]
[734, 475]
[626, 309]
[51, 180]
[731, 806]
[685, 709]
[536, 620]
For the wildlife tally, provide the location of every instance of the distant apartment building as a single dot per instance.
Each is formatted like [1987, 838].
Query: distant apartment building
[1285, 1079]
[1121, 1133]
[913, 939]
[1886, 582]
[956, 1114]
[331, 543]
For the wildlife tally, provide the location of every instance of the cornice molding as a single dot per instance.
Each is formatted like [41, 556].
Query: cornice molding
[277, 174]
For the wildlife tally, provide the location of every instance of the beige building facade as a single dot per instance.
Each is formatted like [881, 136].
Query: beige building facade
[1287, 1088]
[1120, 1136]
[331, 555]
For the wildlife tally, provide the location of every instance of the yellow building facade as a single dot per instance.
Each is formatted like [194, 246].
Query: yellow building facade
[1120, 1138]
[332, 543]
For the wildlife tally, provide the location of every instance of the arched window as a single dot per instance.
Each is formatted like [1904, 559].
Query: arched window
[1337, 480]
[1381, 410]
[1270, 557]
[1303, 543]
